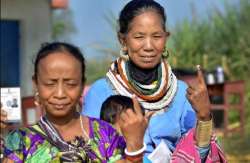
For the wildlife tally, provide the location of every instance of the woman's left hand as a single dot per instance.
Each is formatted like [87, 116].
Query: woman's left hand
[198, 97]
[3, 118]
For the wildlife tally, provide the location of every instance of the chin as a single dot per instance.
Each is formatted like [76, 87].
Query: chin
[148, 65]
[60, 113]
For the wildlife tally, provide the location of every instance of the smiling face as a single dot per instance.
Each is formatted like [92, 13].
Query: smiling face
[59, 83]
[145, 40]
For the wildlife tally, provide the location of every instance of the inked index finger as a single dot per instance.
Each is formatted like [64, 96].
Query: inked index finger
[136, 105]
[200, 76]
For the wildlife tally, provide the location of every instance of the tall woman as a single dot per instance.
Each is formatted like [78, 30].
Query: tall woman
[142, 71]
[62, 134]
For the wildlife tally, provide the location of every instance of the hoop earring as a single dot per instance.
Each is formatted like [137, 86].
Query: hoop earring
[124, 55]
[78, 108]
[36, 99]
[165, 53]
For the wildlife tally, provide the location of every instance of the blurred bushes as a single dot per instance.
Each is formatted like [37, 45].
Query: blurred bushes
[222, 38]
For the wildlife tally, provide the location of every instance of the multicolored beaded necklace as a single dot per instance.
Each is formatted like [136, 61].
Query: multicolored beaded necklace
[155, 96]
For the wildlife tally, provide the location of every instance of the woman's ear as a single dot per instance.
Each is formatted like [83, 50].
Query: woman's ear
[121, 38]
[34, 82]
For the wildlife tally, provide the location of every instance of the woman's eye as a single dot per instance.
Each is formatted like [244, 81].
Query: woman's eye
[49, 84]
[138, 37]
[157, 36]
[71, 84]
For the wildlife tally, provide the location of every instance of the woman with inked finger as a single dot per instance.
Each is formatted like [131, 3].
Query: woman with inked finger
[182, 119]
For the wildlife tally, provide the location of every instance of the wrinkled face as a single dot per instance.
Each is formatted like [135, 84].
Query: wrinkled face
[59, 83]
[145, 40]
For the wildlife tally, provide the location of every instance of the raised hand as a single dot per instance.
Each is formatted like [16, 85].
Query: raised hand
[198, 97]
[133, 125]
[3, 118]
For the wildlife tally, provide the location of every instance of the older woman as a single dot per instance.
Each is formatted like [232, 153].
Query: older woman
[63, 135]
[141, 70]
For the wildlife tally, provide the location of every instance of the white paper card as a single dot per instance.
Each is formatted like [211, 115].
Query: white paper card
[11, 103]
[161, 154]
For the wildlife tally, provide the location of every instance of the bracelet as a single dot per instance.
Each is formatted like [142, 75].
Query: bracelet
[137, 158]
[203, 132]
[140, 151]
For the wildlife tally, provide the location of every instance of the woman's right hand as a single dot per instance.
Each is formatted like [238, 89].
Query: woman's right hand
[133, 125]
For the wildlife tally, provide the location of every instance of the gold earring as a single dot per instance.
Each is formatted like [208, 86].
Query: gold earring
[36, 99]
[124, 55]
[165, 53]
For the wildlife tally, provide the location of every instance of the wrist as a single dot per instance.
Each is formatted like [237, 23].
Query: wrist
[133, 146]
[203, 132]
[135, 156]
[204, 116]
[136, 152]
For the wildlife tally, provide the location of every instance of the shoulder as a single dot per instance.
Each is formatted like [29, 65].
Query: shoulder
[98, 92]
[19, 139]
[99, 88]
[14, 139]
[17, 134]
[100, 84]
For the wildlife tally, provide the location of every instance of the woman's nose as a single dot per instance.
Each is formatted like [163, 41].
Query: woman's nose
[148, 44]
[60, 91]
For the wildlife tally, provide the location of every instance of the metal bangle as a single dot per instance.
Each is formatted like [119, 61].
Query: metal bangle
[203, 132]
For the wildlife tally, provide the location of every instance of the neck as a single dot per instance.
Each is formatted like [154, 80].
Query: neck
[64, 122]
[143, 76]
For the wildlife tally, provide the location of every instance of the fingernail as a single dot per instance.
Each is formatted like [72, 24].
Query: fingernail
[198, 67]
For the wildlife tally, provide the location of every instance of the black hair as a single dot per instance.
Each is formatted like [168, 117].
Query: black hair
[115, 105]
[135, 8]
[50, 48]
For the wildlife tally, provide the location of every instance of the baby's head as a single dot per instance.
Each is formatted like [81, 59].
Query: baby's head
[113, 106]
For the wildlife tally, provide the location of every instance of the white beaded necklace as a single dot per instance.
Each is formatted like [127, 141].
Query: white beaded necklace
[83, 130]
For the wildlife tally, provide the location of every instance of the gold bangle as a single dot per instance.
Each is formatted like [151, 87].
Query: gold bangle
[203, 132]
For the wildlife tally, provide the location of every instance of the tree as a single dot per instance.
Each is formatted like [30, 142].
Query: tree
[62, 24]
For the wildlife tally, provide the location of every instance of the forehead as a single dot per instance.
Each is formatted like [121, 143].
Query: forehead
[147, 19]
[59, 62]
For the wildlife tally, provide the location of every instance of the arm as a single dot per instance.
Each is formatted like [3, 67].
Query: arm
[199, 99]
[188, 121]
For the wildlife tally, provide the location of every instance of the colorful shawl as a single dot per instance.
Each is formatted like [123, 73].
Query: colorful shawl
[186, 151]
[28, 145]
[158, 100]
